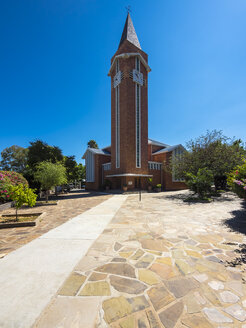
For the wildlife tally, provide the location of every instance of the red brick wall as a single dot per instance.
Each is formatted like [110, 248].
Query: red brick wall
[128, 115]
[167, 182]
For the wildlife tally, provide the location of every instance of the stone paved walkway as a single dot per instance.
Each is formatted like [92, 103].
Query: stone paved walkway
[68, 206]
[159, 263]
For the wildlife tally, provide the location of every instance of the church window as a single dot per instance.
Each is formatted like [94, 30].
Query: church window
[138, 126]
[117, 125]
[137, 64]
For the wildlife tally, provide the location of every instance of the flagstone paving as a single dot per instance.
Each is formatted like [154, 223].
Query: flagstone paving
[159, 263]
[69, 205]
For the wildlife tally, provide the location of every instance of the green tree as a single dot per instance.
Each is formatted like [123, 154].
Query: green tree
[38, 152]
[21, 195]
[71, 168]
[201, 183]
[92, 144]
[50, 175]
[81, 171]
[213, 151]
[14, 158]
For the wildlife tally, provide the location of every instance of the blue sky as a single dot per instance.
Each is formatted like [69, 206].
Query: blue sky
[55, 56]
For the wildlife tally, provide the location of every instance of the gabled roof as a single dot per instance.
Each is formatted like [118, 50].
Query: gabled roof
[97, 151]
[168, 149]
[157, 143]
[129, 33]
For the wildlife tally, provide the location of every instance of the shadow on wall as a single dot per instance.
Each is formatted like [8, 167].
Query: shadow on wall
[237, 222]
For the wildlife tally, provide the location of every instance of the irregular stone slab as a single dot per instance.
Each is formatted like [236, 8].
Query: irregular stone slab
[116, 308]
[236, 286]
[152, 319]
[155, 245]
[122, 269]
[210, 295]
[218, 275]
[193, 254]
[192, 305]
[142, 323]
[200, 277]
[154, 252]
[184, 267]
[137, 255]
[125, 254]
[181, 287]
[214, 259]
[229, 297]
[72, 284]
[138, 303]
[199, 298]
[118, 259]
[164, 260]
[164, 271]
[99, 288]
[196, 321]
[216, 285]
[160, 297]
[236, 311]
[216, 316]
[117, 246]
[129, 322]
[201, 268]
[191, 242]
[145, 261]
[97, 276]
[178, 254]
[125, 285]
[148, 277]
[70, 312]
[170, 316]
[90, 262]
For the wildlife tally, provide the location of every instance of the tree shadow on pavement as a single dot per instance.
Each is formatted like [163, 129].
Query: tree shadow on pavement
[237, 222]
[188, 198]
[76, 194]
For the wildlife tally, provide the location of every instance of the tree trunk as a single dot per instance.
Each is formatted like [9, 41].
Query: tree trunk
[16, 214]
[47, 196]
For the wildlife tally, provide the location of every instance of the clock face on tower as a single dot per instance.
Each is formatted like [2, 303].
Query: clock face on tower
[137, 77]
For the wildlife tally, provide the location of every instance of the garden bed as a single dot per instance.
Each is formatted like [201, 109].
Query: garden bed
[24, 220]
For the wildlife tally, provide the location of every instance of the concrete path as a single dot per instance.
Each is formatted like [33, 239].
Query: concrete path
[159, 263]
[32, 274]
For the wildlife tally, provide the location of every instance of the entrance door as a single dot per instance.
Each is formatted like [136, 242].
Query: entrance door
[137, 183]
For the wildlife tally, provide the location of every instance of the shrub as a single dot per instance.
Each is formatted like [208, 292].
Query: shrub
[158, 185]
[7, 179]
[21, 195]
[237, 180]
[201, 183]
[50, 175]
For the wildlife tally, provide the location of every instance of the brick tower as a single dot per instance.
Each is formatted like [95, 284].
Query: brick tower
[129, 110]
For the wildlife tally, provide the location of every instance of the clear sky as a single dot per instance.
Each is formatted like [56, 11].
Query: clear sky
[55, 56]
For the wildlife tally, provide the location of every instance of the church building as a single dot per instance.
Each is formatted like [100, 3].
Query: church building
[132, 160]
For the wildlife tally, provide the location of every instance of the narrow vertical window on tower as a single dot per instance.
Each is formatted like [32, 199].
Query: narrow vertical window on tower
[117, 120]
[138, 118]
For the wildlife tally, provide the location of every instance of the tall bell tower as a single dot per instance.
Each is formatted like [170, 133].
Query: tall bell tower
[129, 106]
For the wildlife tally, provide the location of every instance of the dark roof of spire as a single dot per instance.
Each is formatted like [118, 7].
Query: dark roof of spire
[129, 33]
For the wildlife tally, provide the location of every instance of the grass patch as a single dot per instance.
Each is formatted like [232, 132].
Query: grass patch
[21, 218]
[43, 202]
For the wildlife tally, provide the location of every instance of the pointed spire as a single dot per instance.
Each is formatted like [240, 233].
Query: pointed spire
[129, 33]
